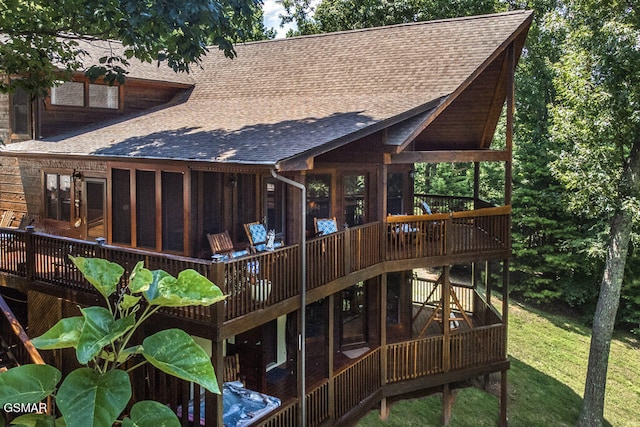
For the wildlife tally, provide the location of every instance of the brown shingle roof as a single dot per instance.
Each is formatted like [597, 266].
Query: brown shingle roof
[282, 98]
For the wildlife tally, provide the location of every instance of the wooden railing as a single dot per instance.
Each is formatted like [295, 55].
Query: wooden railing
[478, 346]
[413, 359]
[260, 280]
[356, 382]
[446, 204]
[16, 338]
[318, 405]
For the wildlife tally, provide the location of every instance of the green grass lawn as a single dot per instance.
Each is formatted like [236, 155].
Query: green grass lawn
[549, 356]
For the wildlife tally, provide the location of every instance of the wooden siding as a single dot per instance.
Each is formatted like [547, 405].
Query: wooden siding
[5, 121]
[137, 96]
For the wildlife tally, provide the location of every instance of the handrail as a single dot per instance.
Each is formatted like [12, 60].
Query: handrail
[43, 258]
[19, 332]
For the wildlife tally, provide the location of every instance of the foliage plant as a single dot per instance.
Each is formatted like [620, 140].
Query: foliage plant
[97, 393]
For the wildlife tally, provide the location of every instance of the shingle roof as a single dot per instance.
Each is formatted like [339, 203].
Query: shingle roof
[137, 69]
[282, 98]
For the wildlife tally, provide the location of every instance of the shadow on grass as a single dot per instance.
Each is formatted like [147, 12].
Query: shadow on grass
[535, 400]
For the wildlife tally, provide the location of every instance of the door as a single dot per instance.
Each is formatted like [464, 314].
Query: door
[96, 207]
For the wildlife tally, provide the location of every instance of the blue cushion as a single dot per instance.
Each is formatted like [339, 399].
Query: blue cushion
[326, 226]
[258, 233]
[425, 207]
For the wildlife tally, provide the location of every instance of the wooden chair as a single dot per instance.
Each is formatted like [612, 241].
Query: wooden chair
[221, 244]
[7, 218]
[231, 368]
[325, 226]
[258, 236]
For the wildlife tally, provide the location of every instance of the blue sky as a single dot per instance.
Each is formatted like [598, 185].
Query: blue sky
[271, 19]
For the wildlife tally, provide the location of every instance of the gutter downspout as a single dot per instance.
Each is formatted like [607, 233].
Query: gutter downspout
[303, 297]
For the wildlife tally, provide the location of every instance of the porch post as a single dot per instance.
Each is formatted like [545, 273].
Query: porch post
[384, 409]
[213, 402]
[509, 131]
[446, 310]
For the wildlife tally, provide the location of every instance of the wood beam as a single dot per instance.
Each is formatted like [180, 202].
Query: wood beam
[453, 156]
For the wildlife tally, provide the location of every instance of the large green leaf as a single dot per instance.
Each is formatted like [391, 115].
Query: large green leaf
[37, 420]
[190, 288]
[173, 351]
[28, 383]
[89, 399]
[63, 334]
[140, 278]
[100, 329]
[148, 413]
[102, 274]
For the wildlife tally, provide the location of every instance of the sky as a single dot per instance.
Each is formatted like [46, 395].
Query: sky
[271, 19]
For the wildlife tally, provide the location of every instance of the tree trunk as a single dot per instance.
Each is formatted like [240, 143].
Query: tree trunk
[592, 414]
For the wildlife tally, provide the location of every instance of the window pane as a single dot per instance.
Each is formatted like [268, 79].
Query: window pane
[20, 111]
[146, 209]
[64, 195]
[51, 196]
[354, 315]
[103, 96]
[394, 194]
[68, 93]
[121, 215]
[172, 212]
[318, 198]
[354, 199]
[96, 209]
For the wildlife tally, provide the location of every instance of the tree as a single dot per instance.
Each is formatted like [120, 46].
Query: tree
[97, 393]
[341, 15]
[40, 38]
[597, 123]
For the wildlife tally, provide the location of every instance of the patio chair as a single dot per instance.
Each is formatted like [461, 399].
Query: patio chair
[259, 238]
[426, 210]
[7, 218]
[325, 226]
[221, 244]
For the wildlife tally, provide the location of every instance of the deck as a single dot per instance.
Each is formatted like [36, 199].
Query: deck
[430, 358]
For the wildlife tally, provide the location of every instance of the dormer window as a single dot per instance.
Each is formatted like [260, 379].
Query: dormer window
[85, 94]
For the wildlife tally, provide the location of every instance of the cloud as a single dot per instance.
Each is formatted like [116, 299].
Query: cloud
[272, 10]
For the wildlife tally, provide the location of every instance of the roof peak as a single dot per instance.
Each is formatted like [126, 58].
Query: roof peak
[393, 26]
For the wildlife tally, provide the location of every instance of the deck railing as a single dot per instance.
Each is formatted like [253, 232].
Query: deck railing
[356, 382]
[260, 280]
[414, 359]
[19, 344]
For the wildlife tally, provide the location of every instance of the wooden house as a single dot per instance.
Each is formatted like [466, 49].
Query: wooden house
[291, 133]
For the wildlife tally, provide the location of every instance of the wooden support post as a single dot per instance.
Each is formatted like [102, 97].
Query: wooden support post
[446, 310]
[384, 409]
[504, 391]
[213, 402]
[384, 412]
[448, 398]
[488, 286]
[509, 130]
[331, 353]
[30, 249]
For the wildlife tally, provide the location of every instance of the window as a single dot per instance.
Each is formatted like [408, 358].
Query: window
[395, 185]
[20, 111]
[146, 209]
[69, 94]
[103, 96]
[353, 316]
[121, 206]
[79, 94]
[58, 196]
[318, 198]
[355, 212]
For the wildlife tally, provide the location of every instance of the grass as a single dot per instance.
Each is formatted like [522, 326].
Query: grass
[549, 356]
